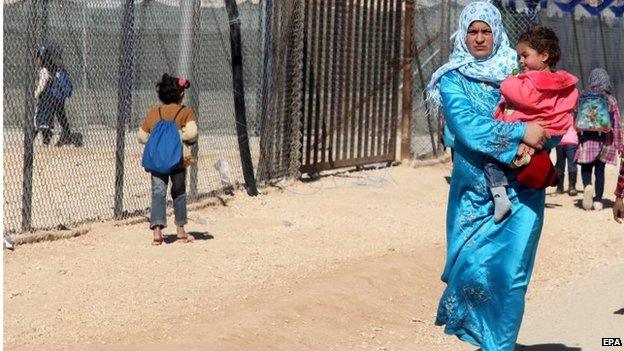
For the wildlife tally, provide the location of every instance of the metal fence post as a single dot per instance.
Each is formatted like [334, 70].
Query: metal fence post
[124, 101]
[29, 112]
[239, 97]
[408, 54]
[189, 26]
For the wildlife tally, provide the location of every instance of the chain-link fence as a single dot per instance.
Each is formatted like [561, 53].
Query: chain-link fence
[282, 86]
[434, 26]
[114, 52]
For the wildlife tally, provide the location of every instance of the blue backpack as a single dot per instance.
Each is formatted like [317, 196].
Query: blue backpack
[61, 87]
[593, 113]
[163, 151]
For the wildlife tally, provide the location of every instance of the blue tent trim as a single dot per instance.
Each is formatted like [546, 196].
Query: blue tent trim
[618, 11]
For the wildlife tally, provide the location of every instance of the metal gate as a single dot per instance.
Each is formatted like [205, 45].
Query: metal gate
[351, 69]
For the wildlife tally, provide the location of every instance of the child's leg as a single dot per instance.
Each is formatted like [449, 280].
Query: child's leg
[586, 173]
[158, 210]
[588, 189]
[560, 167]
[561, 159]
[62, 118]
[570, 151]
[497, 181]
[47, 136]
[178, 194]
[600, 180]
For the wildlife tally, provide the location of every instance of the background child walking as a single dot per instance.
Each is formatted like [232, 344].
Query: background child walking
[51, 93]
[598, 148]
[170, 91]
[566, 152]
[538, 94]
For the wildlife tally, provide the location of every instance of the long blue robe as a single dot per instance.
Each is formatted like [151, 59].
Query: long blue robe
[488, 265]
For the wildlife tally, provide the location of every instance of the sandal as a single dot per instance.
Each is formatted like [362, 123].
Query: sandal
[188, 238]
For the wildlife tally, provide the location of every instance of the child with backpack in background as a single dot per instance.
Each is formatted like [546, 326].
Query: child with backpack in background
[598, 123]
[167, 132]
[53, 89]
[566, 152]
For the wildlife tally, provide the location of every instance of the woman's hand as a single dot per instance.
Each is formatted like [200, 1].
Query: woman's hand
[535, 136]
[618, 209]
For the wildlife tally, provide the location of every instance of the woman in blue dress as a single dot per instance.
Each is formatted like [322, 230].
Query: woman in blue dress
[488, 265]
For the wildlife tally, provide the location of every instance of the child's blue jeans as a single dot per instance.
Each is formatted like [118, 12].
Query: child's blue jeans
[565, 152]
[158, 213]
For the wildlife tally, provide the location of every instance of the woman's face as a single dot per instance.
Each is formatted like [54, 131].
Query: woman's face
[479, 39]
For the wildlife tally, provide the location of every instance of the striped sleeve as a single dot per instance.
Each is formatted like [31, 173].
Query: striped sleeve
[619, 189]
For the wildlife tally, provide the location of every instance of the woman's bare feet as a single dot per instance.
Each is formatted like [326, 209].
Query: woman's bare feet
[183, 236]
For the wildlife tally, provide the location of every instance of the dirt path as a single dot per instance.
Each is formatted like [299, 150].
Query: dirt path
[348, 262]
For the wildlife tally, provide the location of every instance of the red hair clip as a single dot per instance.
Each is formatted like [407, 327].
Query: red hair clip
[183, 83]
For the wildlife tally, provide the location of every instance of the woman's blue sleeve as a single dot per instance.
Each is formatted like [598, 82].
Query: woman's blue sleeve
[480, 133]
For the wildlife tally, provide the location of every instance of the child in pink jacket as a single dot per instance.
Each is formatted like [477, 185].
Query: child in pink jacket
[538, 94]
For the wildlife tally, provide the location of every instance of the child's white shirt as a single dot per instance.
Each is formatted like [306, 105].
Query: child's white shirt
[44, 77]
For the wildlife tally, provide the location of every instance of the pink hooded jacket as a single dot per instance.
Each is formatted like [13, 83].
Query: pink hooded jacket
[539, 96]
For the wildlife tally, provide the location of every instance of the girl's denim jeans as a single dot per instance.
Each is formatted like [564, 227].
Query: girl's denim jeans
[158, 213]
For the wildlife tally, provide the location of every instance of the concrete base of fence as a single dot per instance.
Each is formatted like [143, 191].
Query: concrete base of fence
[445, 158]
[51, 235]
[30, 238]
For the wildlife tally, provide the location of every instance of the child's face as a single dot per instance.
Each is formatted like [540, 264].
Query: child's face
[530, 59]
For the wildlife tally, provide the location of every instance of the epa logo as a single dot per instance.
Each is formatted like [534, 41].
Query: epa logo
[611, 342]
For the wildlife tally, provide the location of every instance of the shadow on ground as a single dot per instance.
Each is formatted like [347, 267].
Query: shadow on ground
[171, 238]
[544, 347]
[606, 203]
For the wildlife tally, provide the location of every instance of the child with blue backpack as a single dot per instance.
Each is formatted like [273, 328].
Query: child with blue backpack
[53, 89]
[598, 123]
[168, 131]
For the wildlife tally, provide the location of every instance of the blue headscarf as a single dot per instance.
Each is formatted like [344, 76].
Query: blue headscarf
[492, 69]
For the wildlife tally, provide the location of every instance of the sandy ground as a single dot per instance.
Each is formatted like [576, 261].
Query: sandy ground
[349, 262]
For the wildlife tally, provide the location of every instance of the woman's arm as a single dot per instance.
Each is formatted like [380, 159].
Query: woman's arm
[480, 133]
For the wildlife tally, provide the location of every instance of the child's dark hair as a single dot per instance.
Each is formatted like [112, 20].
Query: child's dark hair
[170, 88]
[543, 39]
[49, 58]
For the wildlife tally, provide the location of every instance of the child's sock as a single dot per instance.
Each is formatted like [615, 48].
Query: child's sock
[502, 205]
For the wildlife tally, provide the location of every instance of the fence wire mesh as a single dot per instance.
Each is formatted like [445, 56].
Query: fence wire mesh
[77, 178]
[282, 85]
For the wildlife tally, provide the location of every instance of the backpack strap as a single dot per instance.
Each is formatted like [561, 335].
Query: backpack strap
[180, 110]
[176, 115]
